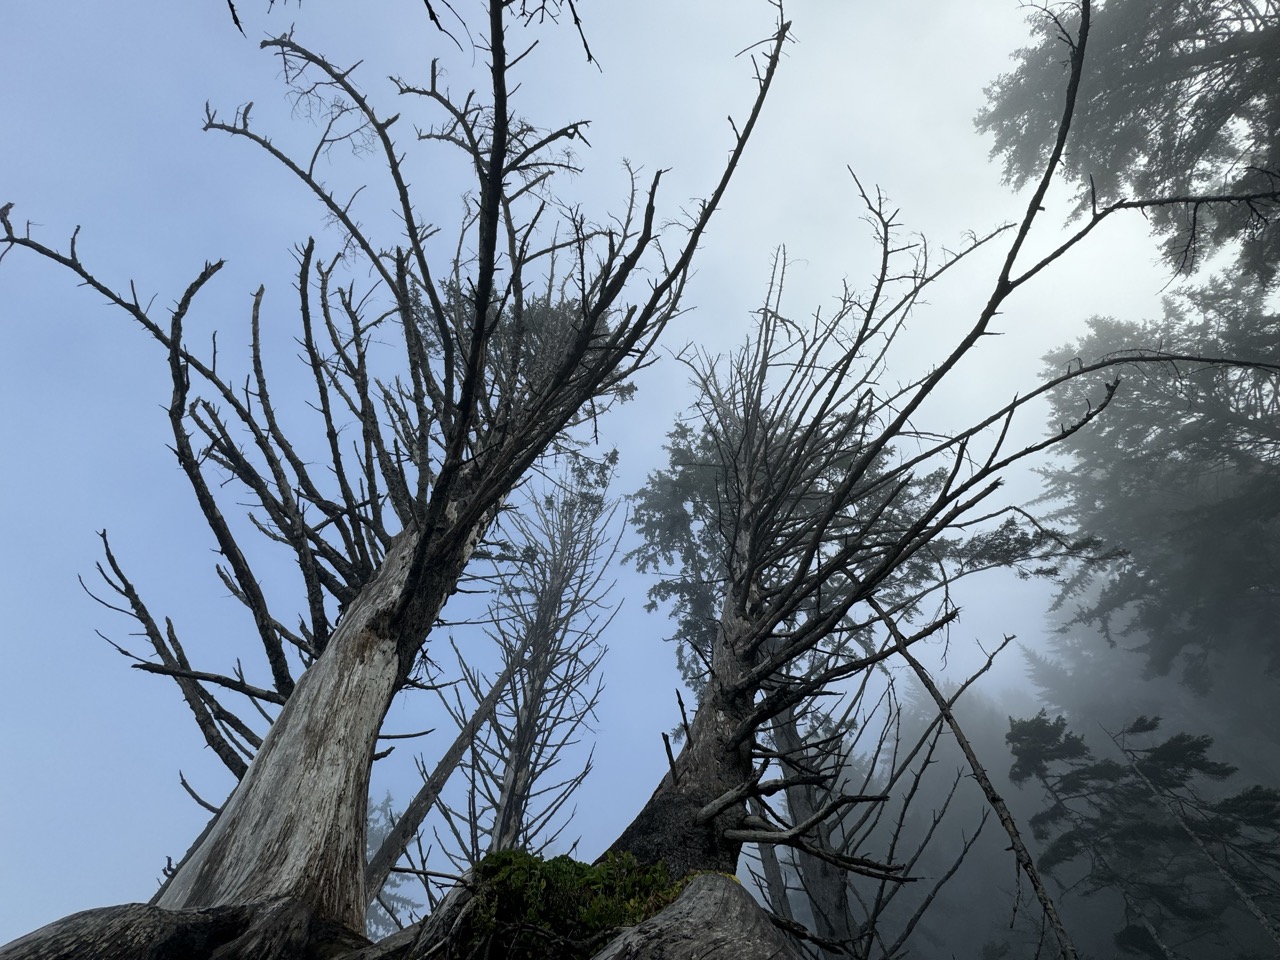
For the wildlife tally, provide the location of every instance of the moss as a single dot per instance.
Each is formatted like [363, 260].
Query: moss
[528, 908]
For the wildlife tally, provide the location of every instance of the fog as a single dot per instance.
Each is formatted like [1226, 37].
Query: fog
[1152, 596]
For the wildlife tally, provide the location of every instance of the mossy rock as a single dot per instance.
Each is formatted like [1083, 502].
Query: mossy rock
[528, 908]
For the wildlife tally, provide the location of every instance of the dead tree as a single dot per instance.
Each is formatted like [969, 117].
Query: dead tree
[777, 523]
[865, 750]
[827, 502]
[492, 374]
[548, 617]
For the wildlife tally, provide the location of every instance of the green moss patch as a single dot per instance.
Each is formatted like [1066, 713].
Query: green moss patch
[528, 908]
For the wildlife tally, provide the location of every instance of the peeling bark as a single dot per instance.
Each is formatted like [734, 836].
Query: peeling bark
[295, 825]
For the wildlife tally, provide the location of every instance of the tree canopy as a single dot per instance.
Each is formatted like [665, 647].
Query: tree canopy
[1178, 98]
[1179, 483]
[1193, 865]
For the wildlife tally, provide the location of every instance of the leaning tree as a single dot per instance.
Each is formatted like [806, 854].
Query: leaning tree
[531, 329]
[534, 326]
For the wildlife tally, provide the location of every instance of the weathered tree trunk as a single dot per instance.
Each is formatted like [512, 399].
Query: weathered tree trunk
[131, 930]
[294, 827]
[280, 871]
[312, 770]
[714, 917]
[141, 931]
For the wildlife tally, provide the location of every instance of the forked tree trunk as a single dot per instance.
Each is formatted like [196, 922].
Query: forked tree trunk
[713, 917]
[279, 873]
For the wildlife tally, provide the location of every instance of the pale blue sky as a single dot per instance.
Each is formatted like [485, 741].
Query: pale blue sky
[100, 121]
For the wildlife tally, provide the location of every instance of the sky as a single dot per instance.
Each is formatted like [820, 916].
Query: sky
[102, 119]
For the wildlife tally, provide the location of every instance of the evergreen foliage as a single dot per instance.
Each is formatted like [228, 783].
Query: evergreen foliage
[1189, 860]
[1178, 97]
[1182, 484]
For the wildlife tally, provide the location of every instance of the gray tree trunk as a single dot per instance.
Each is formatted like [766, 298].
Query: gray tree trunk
[278, 930]
[714, 917]
[312, 769]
